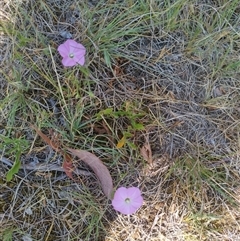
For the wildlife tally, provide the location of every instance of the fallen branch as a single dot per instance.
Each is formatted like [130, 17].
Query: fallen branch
[44, 167]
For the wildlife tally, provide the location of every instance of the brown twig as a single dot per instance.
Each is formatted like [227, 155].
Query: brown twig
[44, 167]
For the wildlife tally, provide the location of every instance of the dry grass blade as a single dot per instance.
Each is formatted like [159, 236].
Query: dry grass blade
[68, 166]
[55, 146]
[146, 153]
[67, 163]
[98, 167]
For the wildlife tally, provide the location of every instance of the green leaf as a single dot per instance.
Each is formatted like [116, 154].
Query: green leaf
[15, 168]
[107, 58]
[127, 134]
[132, 145]
[106, 112]
[137, 126]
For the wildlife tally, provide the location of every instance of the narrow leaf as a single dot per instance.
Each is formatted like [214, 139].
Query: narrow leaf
[14, 169]
[107, 58]
[98, 167]
[121, 142]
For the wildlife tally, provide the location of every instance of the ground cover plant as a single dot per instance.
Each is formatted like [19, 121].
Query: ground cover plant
[156, 99]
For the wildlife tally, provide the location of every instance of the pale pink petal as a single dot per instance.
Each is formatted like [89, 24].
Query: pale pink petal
[127, 210]
[118, 205]
[133, 192]
[121, 206]
[72, 47]
[135, 200]
[72, 43]
[131, 209]
[68, 62]
[63, 50]
[121, 193]
[80, 60]
[75, 47]
[79, 53]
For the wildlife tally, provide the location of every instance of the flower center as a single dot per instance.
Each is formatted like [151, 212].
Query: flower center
[127, 200]
[71, 55]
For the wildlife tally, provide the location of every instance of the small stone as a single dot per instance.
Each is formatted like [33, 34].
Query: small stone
[65, 34]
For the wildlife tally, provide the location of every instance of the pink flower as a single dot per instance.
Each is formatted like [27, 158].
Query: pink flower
[127, 200]
[72, 53]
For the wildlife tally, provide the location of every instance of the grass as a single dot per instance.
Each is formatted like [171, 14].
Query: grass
[165, 73]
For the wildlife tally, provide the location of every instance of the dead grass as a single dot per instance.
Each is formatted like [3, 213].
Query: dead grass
[171, 66]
